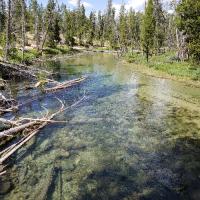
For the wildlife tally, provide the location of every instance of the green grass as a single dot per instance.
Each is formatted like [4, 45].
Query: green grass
[56, 50]
[167, 63]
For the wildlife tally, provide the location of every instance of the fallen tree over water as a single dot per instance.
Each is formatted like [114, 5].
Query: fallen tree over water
[28, 127]
[47, 86]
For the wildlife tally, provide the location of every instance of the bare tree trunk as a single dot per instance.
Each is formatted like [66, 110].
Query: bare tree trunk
[37, 36]
[23, 29]
[45, 35]
[8, 31]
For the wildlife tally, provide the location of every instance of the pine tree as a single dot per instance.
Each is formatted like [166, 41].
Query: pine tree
[91, 28]
[160, 28]
[8, 31]
[80, 23]
[148, 29]
[36, 21]
[188, 22]
[109, 22]
[113, 31]
[123, 28]
[2, 15]
[69, 28]
[100, 28]
[23, 27]
[49, 25]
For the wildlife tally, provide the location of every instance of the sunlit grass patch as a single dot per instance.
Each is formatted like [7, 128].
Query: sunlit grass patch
[168, 63]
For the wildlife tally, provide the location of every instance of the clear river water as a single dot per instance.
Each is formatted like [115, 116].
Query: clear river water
[135, 137]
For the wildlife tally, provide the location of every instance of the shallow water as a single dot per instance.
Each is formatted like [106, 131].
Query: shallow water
[135, 137]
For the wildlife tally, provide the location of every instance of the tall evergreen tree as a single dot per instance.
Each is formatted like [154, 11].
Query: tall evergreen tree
[36, 19]
[160, 28]
[23, 27]
[69, 28]
[49, 25]
[100, 28]
[188, 21]
[148, 29]
[80, 23]
[91, 28]
[8, 31]
[123, 28]
[2, 15]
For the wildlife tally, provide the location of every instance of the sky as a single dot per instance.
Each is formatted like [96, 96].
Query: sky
[94, 5]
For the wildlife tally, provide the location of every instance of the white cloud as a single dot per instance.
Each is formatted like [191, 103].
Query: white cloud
[85, 3]
[137, 5]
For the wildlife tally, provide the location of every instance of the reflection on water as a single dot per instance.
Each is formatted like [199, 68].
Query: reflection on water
[135, 137]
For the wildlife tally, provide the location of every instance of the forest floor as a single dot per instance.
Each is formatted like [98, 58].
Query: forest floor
[32, 55]
[166, 66]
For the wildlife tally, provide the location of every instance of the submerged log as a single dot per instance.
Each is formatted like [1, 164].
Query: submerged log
[64, 85]
[30, 130]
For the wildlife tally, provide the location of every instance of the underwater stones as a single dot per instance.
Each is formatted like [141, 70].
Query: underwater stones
[32, 180]
[64, 154]
[69, 179]
[77, 147]
[5, 187]
[68, 166]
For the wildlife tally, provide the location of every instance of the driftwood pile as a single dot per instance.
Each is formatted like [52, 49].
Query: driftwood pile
[10, 105]
[28, 128]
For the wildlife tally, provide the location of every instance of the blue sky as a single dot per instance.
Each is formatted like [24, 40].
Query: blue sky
[95, 5]
[101, 4]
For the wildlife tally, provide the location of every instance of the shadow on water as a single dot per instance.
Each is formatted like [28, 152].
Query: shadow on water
[167, 174]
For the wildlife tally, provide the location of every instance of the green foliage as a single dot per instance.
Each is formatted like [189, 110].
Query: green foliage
[81, 23]
[68, 27]
[148, 29]
[188, 20]
[123, 27]
[91, 28]
[166, 63]
[160, 25]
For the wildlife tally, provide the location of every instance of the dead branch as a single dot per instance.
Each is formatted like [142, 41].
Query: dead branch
[10, 132]
[64, 85]
[2, 173]
[34, 128]
[8, 122]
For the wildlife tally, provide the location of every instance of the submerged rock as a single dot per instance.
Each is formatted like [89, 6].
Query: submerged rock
[5, 187]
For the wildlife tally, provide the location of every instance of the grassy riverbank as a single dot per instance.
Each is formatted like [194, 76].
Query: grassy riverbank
[166, 66]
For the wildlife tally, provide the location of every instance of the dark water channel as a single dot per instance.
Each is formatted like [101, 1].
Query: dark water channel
[135, 138]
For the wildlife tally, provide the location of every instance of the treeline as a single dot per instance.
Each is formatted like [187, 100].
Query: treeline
[153, 31]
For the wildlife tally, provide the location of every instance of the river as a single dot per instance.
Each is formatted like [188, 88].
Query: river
[134, 137]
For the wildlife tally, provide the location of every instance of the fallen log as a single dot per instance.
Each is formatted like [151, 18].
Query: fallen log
[32, 128]
[10, 132]
[7, 122]
[64, 85]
